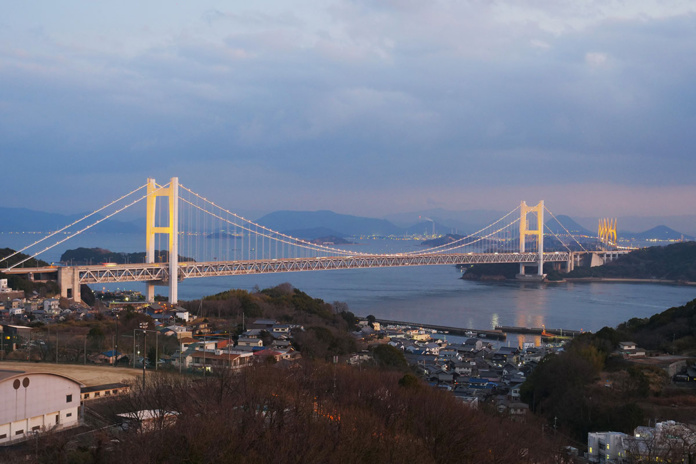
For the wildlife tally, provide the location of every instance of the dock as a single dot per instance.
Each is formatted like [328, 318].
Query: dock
[539, 331]
[461, 331]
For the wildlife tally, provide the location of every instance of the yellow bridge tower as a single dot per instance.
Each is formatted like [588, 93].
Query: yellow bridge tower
[171, 229]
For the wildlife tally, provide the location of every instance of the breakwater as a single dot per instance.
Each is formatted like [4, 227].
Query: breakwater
[539, 331]
[461, 331]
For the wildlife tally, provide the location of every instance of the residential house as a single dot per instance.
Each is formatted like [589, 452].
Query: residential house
[218, 360]
[630, 350]
[182, 314]
[50, 305]
[247, 341]
[473, 344]
[180, 331]
[263, 324]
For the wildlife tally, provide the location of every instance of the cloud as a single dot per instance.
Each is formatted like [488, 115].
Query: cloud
[399, 101]
[596, 59]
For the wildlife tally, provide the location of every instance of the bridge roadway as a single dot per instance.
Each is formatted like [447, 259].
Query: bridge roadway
[187, 270]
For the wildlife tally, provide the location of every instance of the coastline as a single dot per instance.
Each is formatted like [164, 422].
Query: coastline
[627, 280]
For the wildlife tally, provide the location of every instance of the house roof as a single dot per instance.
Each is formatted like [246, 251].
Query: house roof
[106, 386]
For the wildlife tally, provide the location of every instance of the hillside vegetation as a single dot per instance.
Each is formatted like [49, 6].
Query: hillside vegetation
[588, 388]
[88, 256]
[311, 412]
[327, 327]
[18, 282]
[672, 262]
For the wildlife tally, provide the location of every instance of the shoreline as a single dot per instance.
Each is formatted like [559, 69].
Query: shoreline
[627, 280]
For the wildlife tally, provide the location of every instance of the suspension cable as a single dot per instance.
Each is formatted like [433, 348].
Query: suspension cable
[70, 225]
[78, 232]
[567, 232]
[452, 245]
[286, 239]
[293, 240]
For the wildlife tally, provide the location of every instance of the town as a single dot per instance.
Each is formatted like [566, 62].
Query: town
[121, 330]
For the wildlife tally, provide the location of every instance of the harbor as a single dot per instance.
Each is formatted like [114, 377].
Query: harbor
[543, 331]
[459, 331]
[499, 333]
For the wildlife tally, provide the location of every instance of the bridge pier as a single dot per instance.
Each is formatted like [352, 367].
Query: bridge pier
[69, 283]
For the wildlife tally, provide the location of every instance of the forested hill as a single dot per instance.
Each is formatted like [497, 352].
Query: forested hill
[672, 262]
[85, 256]
[17, 282]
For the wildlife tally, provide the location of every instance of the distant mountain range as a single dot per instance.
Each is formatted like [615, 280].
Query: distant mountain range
[658, 233]
[312, 225]
[27, 220]
[569, 224]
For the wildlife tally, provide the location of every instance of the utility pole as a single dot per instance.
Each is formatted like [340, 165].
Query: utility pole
[143, 327]
[116, 344]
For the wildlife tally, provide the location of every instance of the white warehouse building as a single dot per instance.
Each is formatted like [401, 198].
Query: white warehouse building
[36, 402]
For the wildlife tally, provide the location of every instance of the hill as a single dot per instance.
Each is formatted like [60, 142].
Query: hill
[672, 262]
[24, 220]
[444, 240]
[88, 256]
[590, 387]
[657, 233]
[18, 282]
[569, 223]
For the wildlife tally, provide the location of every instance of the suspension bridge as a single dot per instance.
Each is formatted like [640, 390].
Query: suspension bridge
[203, 239]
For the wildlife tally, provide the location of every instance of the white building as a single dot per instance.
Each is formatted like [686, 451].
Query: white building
[50, 305]
[16, 311]
[183, 315]
[35, 402]
[605, 447]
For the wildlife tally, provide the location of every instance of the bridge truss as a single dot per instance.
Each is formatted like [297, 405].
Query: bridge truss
[187, 270]
[189, 236]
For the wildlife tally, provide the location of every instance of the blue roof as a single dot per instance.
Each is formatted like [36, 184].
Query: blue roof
[112, 353]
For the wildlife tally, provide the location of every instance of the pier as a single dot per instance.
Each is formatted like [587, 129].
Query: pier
[539, 331]
[461, 331]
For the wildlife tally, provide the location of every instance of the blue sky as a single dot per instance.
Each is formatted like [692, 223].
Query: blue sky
[361, 107]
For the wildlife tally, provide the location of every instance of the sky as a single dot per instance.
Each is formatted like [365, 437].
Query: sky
[361, 107]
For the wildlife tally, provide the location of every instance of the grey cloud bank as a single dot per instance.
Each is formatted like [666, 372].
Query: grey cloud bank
[365, 108]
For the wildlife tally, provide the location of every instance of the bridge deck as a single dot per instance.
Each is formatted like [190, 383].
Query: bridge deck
[187, 270]
[144, 272]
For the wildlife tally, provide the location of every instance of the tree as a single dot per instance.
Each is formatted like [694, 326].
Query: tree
[389, 357]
